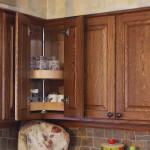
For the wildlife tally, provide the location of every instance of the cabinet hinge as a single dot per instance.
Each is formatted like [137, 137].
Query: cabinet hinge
[66, 100]
[30, 31]
[29, 99]
[66, 32]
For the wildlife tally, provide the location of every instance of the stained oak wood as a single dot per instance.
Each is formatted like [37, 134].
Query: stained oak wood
[74, 68]
[102, 125]
[133, 63]
[100, 66]
[8, 103]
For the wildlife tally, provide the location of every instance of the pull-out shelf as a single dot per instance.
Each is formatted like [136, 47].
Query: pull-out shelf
[47, 74]
[49, 106]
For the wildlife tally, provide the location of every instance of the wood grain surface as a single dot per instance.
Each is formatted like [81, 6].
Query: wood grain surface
[100, 66]
[8, 103]
[133, 63]
[74, 68]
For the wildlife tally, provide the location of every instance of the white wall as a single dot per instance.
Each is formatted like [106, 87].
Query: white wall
[67, 8]
[33, 7]
[50, 9]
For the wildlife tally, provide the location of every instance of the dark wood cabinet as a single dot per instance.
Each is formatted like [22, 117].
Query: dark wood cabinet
[118, 91]
[63, 39]
[132, 64]
[100, 67]
[104, 72]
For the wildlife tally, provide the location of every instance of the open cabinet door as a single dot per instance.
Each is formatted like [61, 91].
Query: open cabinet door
[22, 56]
[73, 68]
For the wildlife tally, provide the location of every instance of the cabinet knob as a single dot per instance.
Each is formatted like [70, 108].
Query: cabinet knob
[109, 114]
[118, 115]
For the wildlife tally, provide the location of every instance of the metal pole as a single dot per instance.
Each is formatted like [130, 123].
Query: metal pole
[43, 81]
[43, 48]
[43, 86]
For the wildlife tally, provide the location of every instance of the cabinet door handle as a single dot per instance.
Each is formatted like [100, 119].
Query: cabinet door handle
[118, 115]
[66, 100]
[109, 114]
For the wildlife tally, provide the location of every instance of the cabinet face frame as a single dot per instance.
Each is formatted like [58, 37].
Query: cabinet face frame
[132, 55]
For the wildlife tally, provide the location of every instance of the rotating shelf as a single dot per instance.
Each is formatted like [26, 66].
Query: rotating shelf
[47, 74]
[50, 106]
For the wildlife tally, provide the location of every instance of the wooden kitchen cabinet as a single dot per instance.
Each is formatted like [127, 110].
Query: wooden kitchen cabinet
[100, 66]
[133, 66]
[117, 66]
[64, 39]
[7, 52]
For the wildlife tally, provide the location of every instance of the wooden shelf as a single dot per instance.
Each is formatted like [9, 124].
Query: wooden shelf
[47, 74]
[51, 106]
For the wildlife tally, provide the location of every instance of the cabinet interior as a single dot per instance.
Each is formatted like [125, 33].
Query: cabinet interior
[53, 44]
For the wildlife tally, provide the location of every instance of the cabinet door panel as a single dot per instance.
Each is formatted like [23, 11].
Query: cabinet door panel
[22, 58]
[8, 103]
[133, 63]
[100, 49]
[73, 68]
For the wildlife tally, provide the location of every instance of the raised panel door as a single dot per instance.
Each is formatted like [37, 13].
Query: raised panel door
[100, 65]
[133, 63]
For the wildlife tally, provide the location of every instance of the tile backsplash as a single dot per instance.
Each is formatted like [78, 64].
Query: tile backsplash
[92, 138]
[85, 138]
[8, 138]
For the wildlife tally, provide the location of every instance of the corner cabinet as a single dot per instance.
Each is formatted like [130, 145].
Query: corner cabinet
[64, 39]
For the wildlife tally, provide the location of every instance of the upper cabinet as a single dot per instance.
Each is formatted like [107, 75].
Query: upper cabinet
[117, 66]
[93, 67]
[49, 43]
[133, 66]
[7, 66]
[100, 67]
